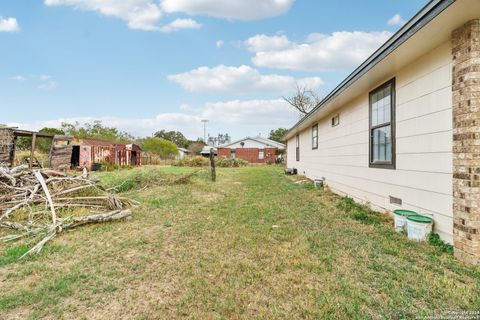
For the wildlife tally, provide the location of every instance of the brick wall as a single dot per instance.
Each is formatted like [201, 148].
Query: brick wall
[466, 141]
[249, 154]
[223, 152]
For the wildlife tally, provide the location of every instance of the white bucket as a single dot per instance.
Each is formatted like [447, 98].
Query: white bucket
[400, 219]
[419, 227]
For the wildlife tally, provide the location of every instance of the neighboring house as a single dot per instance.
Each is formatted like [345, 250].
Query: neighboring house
[88, 152]
[182, 153]
[403, 130]
[253, 150]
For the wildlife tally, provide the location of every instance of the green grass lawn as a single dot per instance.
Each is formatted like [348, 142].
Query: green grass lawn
[252, 245]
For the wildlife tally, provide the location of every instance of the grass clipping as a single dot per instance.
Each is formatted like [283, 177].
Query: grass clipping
[40, 204]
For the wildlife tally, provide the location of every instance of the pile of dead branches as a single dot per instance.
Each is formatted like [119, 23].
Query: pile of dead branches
[40, 204]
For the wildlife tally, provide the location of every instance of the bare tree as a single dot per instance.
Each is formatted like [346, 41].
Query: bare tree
[304, 99]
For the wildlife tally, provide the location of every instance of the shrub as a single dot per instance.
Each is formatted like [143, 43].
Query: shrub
[197, 161]
[159, 146]
[224, 162]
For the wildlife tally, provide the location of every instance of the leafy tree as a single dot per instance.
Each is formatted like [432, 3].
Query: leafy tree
[97, 130]
[44, 144]
[163, 148]
[278, 134]
[173, 136]
[41, 144]
[52, 131]
[304, 100]
[23, 143]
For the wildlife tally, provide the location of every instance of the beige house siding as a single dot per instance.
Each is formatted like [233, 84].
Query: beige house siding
[423, 174]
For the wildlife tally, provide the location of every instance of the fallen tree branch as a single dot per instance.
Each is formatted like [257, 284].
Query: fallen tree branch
[99, 218]
[38, 194]
[40, 179]
[13, 225]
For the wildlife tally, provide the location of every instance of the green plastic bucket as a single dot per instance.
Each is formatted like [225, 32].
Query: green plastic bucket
[400, 218]
[420, 219]
[419, 227]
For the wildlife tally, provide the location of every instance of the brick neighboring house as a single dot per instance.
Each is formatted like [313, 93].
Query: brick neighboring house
[403, 129]
[253, 150]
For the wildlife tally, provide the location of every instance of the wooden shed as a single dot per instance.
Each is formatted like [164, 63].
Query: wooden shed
[60, 151]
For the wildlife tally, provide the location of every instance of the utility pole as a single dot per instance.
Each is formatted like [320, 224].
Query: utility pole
[205, 130]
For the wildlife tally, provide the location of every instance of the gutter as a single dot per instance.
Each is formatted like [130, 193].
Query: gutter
[429, 12]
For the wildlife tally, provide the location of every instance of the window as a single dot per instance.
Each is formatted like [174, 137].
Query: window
[336, 120]
[297, 147]
[382, 126]
[233, 154]
[261, 154]
[315, 137]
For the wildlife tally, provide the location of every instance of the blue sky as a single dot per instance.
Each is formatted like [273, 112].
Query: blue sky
[147, 65]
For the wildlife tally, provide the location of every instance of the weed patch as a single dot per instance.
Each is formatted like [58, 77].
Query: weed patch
[12, 255]
[359, 212]
[434, 240]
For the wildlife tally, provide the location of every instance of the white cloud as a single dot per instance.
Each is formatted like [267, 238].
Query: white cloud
[9, 25]
[139, 14]
[239, 80]
[396, 20]
[319, 52]
[47, 83]
[263, 42]
[44, 82]
[181, 24]
[146, 14]
[18, 78]
[237, 117]
[136, 126]
[261, 113]
[219, 44]
[230, 9]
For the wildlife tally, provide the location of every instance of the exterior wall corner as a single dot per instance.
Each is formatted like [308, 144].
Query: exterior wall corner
[466, 141]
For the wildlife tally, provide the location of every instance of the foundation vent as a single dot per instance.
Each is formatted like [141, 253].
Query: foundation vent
[396, 201]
